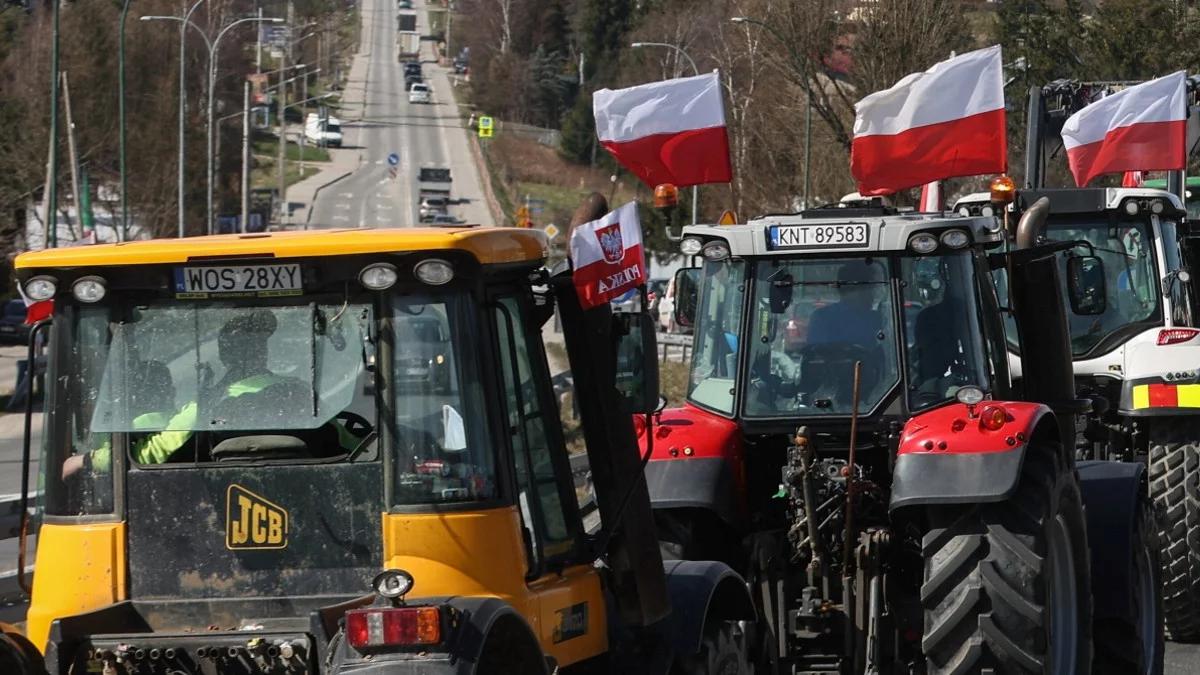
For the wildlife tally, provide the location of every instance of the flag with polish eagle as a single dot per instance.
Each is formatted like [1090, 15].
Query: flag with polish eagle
[947, 121]
[667, 132]
[606, 255]
[1142, 128]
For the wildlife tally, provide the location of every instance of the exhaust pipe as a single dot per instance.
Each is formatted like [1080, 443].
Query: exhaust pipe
[1033, 224]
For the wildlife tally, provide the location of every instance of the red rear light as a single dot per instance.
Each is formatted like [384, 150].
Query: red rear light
[393, 627]
[1173, 336]
[993, 417]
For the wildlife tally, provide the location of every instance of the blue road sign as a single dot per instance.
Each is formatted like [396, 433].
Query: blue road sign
[393, 159]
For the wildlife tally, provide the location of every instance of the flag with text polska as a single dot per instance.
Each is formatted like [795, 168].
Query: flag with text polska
[607, 256]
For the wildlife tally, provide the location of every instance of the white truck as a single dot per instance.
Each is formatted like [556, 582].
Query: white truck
[324, 131]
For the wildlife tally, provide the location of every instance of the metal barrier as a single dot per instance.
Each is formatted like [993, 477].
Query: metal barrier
[10, 515]
[673, 343]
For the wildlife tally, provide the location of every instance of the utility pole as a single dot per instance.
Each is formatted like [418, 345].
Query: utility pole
[258, 51]
[245, 154]
[280, 103]
[52, 172]
[449, 20]
[72, 156]
[123, 232]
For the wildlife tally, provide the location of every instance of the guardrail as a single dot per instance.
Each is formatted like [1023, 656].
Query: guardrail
[10, 515]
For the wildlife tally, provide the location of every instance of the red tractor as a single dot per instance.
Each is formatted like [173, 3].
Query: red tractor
[896, 503]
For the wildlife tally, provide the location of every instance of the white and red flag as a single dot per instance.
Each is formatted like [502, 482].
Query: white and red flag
[1142, 128]
[667, 132]
[931, 197]
[607, 258]
[947, 121]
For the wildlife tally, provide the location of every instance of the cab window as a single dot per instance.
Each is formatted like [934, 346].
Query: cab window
[548, 522]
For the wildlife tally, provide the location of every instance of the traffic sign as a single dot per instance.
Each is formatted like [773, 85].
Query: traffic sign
[393, 159]
[727, 218]
[485, 127]
[551, 230]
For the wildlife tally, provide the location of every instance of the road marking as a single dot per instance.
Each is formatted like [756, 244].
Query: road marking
[341, 218]
[346, 194]
[341, 206]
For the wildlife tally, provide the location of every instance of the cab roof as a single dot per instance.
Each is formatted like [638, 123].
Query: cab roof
[885, 232]
[489, 245]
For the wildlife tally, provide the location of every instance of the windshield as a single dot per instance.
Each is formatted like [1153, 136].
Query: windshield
[277, 381]
[1133, 289]
[942, 332]
[814, 319]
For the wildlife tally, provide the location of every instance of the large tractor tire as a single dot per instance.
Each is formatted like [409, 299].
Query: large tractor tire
[723, 652]
[1134, 645]
[1175, 490]
[1007, 585]
[18, 656]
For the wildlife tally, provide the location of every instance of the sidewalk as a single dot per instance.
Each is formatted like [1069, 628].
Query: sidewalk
[343, 161]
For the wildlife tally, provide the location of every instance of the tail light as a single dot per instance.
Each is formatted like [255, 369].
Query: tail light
[393, 627]
[1173, 336]
[993, 417]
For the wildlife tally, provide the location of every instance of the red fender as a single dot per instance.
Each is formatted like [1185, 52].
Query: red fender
[993, 426]
[691, 446]
[958, 455]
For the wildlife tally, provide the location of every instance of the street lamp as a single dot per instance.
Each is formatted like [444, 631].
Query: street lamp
[212, 81]
[807, 96]
[212, 71]
[696, 71]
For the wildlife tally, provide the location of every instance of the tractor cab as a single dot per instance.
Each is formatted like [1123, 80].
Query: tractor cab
[789, 304]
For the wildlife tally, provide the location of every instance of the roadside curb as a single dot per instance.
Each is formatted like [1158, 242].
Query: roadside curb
[485, 177]
[313, 202]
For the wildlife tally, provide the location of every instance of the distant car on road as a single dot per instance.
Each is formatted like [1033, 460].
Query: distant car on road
[431, 206]
[12, 323]
[419, 93]
[412, 68]
[323, 131]
[410, 80]
[423, 345]
[445, 219]
[404, 4]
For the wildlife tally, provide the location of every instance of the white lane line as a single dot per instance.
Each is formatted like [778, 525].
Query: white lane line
[340, 219]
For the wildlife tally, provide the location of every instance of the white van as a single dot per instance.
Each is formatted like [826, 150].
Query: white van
[321, 131]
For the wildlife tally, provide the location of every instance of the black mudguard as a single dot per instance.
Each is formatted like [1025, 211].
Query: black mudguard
[702, 591]
[1111, 491]
[461, 655]
[703, 483]
[950, 478]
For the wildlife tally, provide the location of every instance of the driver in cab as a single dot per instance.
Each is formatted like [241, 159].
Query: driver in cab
[852, 318]
[242, 349]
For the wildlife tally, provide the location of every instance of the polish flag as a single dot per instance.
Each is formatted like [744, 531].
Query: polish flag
[1142, 128]
[931, 198]
[1133, 179]
[606, 255]
[667, 132]
[947, 121]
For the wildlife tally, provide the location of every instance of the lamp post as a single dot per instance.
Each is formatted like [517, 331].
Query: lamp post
[121, 124]
[695, 71]
[212, 71]
[807, 95]
[212, 82]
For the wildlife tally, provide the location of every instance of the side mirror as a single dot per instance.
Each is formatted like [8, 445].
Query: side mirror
[687, 289]
[1085, 285]
[637, 361]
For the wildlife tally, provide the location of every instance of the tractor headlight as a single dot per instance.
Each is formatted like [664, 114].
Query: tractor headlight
[378, 276]
[690, 246]
[923, 243]
[392, 583]
[955, 239]
[89, 289]
[434, 272]
[39, 289]
[715, 251]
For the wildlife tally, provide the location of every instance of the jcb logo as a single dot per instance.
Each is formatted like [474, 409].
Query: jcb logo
[252, 522]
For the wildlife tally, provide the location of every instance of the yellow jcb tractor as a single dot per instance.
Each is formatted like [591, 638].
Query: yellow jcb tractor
[340, 452]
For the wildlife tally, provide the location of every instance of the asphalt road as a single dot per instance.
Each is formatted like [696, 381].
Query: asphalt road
[419, 134]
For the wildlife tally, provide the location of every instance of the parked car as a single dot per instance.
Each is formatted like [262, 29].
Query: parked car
[323, 131]
[423, 352]
[419, 93]
[12, 323]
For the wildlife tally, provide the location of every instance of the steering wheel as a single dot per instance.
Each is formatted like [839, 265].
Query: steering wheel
[355, 424]
[834, 351]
